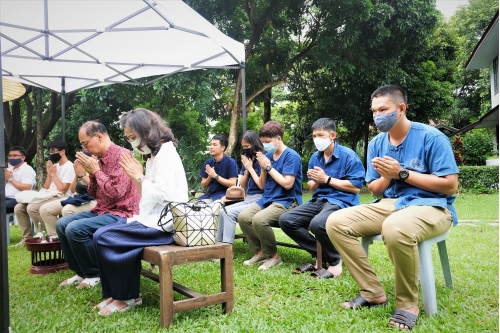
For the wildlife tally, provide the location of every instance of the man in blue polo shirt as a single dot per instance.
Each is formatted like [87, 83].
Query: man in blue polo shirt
[336, 176]
[218, 172]
[412, 166]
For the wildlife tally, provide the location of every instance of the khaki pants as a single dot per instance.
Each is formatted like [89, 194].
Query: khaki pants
[52, 211]
[25, 211]
[257, 225]
[401, 230]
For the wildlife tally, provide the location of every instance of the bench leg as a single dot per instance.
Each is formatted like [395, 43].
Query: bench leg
[226, 273]
[166, 291]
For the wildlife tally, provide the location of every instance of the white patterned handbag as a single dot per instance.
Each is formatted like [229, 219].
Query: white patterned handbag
[195, 223]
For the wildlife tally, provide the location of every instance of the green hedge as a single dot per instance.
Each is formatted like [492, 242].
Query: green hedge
[478, 179]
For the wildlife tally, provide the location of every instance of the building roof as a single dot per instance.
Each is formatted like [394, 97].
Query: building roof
[486, 49]
[487, 121]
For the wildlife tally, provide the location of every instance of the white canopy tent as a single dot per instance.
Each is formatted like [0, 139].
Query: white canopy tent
[70, 45]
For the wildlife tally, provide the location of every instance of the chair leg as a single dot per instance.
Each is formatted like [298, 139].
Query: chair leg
[426, 275]
[445, 263]
[365, 243]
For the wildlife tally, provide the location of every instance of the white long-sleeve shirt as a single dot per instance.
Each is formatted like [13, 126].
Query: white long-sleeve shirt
[165, 181]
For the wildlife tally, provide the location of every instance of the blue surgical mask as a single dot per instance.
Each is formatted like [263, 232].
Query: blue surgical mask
[270, 147]
[15, 161]
[385, 121]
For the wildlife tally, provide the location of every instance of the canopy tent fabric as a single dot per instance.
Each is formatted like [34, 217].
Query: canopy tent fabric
[70, 45]
[94, 43]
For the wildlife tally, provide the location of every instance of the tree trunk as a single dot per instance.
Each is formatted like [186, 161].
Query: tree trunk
[235, 116]
[40, 161]
[267, 105]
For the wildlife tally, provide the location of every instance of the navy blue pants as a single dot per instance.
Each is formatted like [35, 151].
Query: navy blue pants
[119, 248]
[295, 224]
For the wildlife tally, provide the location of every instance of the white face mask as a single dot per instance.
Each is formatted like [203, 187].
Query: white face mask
[322, 144]
[136, 143]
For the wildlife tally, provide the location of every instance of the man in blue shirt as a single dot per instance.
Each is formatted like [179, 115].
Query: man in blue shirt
[336, 176]
[218, 172]
[282, 178]
[412, 166]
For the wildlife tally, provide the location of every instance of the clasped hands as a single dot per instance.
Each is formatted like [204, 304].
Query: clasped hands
[387, 167]
[263, 160]
[89, 164]
[132, 167]
[318, 175]
[210, 171]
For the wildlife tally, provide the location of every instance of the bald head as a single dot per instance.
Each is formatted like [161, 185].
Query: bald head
[94, 137]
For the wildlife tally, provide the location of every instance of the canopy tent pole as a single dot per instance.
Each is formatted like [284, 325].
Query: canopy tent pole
[63, 107]
[243, 98]
[4, 276]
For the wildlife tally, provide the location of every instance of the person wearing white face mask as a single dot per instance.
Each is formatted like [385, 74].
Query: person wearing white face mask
[282, 179]
[19, 176]
[335, 175]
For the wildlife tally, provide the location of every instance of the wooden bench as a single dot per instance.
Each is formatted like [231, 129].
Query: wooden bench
[166, 256]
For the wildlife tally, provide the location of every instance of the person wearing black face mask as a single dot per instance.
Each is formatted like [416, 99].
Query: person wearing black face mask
[19, 176]
[60, 175]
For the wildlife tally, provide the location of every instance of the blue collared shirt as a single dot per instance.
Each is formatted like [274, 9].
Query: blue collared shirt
[289, 163]
[225, 168]
[344, 164]
[425, 150]
[252, 188]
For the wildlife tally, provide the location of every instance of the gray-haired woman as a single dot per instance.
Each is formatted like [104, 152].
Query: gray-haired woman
[119, 246]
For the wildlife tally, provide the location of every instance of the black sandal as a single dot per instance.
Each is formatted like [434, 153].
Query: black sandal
[304, 268]
[405, 318]
[361, 302]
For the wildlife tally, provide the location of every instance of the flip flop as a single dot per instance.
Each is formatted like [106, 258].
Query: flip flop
[74, 280]
[403, 317]
[321, 274]
[361, 302]
[89, 282]
[130, 304]
[304, 268]
[103, 304]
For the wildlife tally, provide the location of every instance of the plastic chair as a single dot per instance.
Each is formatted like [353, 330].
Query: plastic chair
[426, 271]
[11, 217]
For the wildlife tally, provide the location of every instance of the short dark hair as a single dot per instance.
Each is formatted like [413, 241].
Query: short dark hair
[324, 123]
[60, 145]
[271, 129]
[222, 138]
[19, 149]
[94, 126]
[395, 93]
[253, 139]
[151, 128]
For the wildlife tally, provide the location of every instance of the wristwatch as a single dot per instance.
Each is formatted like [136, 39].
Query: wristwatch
[268, 168]
[404, 174]
[141, 179]
[216, 177]
[10, 179]
[82, 175]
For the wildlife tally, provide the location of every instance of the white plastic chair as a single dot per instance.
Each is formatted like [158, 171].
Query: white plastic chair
[426, 271]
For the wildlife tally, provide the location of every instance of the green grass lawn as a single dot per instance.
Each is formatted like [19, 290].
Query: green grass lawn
[276, 300]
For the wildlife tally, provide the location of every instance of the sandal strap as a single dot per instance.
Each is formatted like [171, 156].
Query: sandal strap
[404, 317]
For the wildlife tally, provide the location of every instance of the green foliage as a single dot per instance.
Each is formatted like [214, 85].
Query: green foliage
[478, 179]
[478, 145]
[192, 160]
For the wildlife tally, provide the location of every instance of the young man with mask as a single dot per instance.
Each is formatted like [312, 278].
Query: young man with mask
[282, 178]
[412, 166]
[336, 176]
[60, 175]
[218, 172]
[19, 176]
[116, 197]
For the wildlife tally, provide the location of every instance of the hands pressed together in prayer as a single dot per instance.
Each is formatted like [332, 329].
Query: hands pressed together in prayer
[318, 175]
[387, 167]
[132, 167]
[263, 160]
[210, 171]
[88, 163]
[51, 168]
[247, 163]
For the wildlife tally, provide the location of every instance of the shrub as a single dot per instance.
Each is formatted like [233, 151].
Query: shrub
[477, 147]
[478, 179]
[458, 149]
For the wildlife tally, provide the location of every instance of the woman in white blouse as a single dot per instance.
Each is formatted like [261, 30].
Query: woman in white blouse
[119, 246]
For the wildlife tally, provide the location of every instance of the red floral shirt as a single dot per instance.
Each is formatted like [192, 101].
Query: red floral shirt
[113, 190]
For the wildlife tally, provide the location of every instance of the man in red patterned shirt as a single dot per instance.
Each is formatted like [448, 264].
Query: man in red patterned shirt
[116, 198]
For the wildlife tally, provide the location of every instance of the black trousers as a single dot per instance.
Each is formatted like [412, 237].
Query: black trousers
[296, 222]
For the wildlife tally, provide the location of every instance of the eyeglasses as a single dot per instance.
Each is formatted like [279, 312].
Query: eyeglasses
[15, 156]
[84, 144]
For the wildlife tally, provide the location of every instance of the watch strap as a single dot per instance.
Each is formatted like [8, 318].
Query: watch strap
[328, 181]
